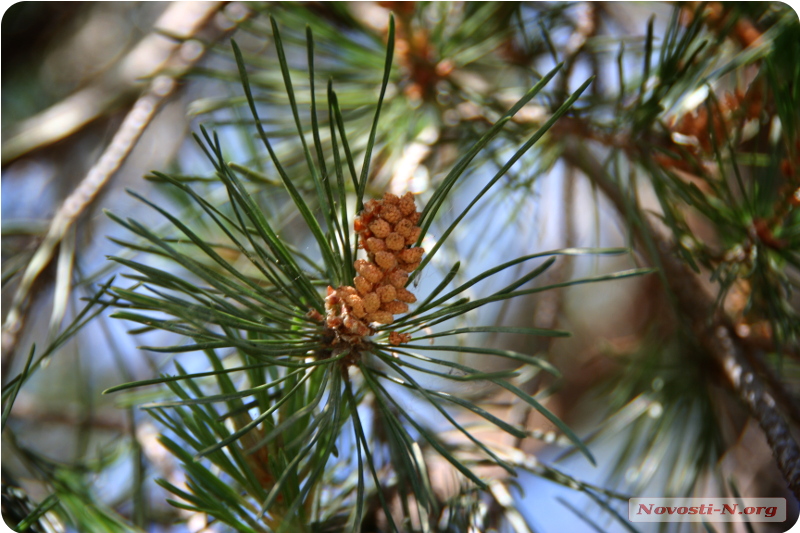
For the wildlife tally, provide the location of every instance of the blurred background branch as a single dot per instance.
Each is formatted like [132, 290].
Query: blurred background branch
[157, 57]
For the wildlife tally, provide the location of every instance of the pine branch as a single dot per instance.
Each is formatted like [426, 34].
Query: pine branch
[787, 400]
[713, 331]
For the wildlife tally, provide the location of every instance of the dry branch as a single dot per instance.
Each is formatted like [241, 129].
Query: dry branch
[183, 19]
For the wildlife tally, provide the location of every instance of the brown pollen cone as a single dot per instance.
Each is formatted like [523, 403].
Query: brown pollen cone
[387, 230]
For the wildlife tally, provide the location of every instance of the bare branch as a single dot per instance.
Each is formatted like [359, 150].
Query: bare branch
[180, 19]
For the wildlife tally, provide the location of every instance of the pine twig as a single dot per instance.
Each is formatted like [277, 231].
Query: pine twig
[785, 398]
[697, 306]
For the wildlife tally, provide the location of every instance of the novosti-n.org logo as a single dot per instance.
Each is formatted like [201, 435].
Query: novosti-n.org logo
[707, 509]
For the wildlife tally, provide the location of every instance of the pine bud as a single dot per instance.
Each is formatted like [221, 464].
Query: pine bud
[356, 304]
[372, 302]
[380, 228]
[387, 293]
[395, 242]
[409, 267]
[413, 235]
[407, 205]
[397, 278]
[395, 307]
[371, 272]
[405, 295]
[391, 214]
[396, 339]
[404, 227]
[375, 245]
[386, 260]
[362, 285]
[411, 255]
[381, 317]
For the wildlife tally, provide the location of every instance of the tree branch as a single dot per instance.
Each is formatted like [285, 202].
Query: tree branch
[696, 306]
[184, 19]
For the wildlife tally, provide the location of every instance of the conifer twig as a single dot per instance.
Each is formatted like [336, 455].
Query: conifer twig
[696, 305]
[787, 400]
